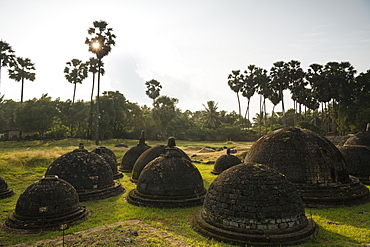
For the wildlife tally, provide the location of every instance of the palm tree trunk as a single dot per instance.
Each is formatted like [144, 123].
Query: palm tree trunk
[22, 90]
[90, 130]
[282, 106]
[74, 93]
[97, 138]
[240, 109]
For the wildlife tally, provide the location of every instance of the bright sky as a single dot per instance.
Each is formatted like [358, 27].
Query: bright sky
[189, 46]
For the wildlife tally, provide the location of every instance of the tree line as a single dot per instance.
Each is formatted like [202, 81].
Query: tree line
[343, 97]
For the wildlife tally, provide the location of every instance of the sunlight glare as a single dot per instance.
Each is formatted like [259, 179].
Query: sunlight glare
[96, 45]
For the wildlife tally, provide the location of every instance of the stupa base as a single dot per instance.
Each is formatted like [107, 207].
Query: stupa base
[290, 236]
[98, 194]
[138, 199]
[6, 194]
[334, 195]
[49, 223]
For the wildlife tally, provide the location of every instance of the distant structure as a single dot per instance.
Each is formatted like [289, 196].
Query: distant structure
[312, 163]
[130, 157]
[224, 162]
[356, 152]
[5, 191]
[152, 153]
[88, 173]
[251, 204]
[46, 205]
[110, 159]
[169, 181]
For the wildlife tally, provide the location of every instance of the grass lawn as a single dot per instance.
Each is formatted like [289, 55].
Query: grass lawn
[22, 163]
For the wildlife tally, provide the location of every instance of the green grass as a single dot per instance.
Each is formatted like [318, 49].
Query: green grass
[22, 163]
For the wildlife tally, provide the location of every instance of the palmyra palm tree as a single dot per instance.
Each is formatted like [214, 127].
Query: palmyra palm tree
[21, 70]
[6, 56]
[100, 43]
[75, 72]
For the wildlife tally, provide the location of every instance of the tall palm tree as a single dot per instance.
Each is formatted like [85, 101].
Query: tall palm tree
[279, 82]
[6, 56]
[249, 85]
[75, 72]
[235, 82]
[320, 88]
[100, 43]
[296, 84]
[264, 90]
[22, 70]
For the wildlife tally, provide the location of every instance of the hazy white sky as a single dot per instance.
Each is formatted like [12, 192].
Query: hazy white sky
[189, 46]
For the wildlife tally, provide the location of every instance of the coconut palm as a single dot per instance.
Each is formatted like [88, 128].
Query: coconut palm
[100, 43]
[211, 118]
[21, 70]
[6, 55]
[75, 72]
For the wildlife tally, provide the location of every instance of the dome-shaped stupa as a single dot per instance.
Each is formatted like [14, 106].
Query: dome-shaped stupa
[5, 191]
[224, 162]
[102, 151]
[169, 181]
[251, 204]
[47, 204]
[106, 151]
[312, 163]
[356, 152]
[130, 157]
[152, 153]
[88, 172]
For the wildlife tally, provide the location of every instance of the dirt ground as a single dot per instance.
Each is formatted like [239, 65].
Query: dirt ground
[126, 233]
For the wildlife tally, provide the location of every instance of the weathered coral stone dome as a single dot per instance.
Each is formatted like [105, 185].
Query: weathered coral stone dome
[106, 151]
[5, 191]
[130, 157]
[224, 162]
[152, 153]
[356, 152]
[89, 174]
[112, 162]
[312, 163]
[251, 204]
[169, 181]
[47, 204]
[144, 159]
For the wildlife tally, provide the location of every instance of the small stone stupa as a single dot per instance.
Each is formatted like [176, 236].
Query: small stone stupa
[89, 174]
[356, 152]
[106, 151]
[130, 157]
[224, 162]
[169, 181]
[252, 204]
[46, 205]
[5, 191]
[152, 153]
[312, 163]
[102, 151]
